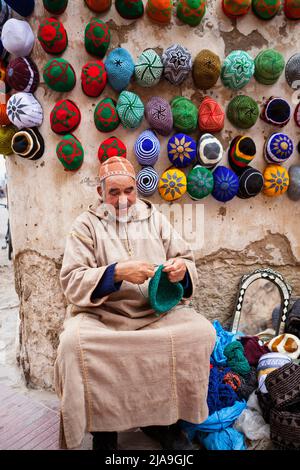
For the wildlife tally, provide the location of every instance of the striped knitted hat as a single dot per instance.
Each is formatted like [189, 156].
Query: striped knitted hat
[22, 75]
[148, 68]
[147, 148]
[147, 181]
[130, 109]
[116, 166]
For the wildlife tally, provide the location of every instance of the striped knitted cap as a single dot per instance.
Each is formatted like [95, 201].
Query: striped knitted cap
[116, 166]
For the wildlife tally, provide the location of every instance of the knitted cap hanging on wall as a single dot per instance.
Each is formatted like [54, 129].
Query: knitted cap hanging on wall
[93, 78]
[6, 135]
[269, 65]
[297, 115]
[119, 66]
[163, 294]
[291, 9]
[159, 115]
[276, 111]
[111, 147]
[182, 150]
[17, 37]
[22, 7]
[65, 117]
[28, 143]
[130, 9]
[278, 148]
[226, 184]
[241, 152]
[206, 69]
[159, 10]
[5, 12]
[24, 110]
[292, 71]
[237, 70]
[105, 115]
[148, 68]
[147, 181]
[251, 182]
[22, 75]
[236, 8]
[172, 184]
[52, 36]
[70, 152]
[177, 63]
[147, 148]
[98, 6]
[266, 9]
[57, 7]
[130, 109]
[59, 75]
[185, 114]
[200, 182]
[210, 151]
[294, 187]
[211, 116]
[276, 180]
[97, 38]
[4, 121]
[242, 111]
[191, 11]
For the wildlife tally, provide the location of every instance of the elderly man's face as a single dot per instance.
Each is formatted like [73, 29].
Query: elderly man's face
[120, 192]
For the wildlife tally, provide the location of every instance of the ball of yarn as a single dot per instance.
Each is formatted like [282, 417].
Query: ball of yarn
[237, 69]
[242, 111]
[276, 180]
[130, 109]
[185, 114]
[148, 68]
[147, 148]
[236, 360]
[147, 181]
[220, 395]
[206, 69]
[119, 66]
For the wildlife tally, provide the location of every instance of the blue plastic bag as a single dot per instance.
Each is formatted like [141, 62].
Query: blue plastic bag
[226, 439]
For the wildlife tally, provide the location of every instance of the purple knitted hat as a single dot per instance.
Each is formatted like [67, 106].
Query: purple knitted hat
[159, 115]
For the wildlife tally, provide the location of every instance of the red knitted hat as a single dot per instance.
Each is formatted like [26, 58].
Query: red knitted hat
[111, 147]
[211, 116]
[93, 78]
[65, 117]
[52, 36]
[292, 9]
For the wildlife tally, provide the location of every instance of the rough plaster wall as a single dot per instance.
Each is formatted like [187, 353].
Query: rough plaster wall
[44, 200]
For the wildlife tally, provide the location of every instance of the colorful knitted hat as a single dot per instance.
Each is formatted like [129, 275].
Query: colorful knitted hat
[28, 144]
[65, 117]
[24, 110]
[211, 116]
[59, 75]
[242, 111]
[200, 182]
[266, 9]
[93, 78]
[130, 9]
[5, 12]
[105, 116]
[52, 36]
[276, 180]
[116, 166]
[70, 152]
[297, 115]
[293, 191]
[4, 121]
[111, 147]
[97, 38]
[17, 37]
[276, 111]
[163, 294]
[185, 114]
[292, 71]
[57, 7]
[6, 135]
[98, 6]
[237, 70]
[22, 75]
[291, 9]
[206, 69]
[236, 8]
[147, 148]
[177, 63]
[226, 184]
[159, 115]
[251, 182]
[119, 66]
[269, 65]
[147, 181]
[278, 148]
[191, 11]
[130, 109]
[159, 10]
[287, 344]
[210, 151]
[241, 152]
[172, 184]
[148, 68]
[182, 150]
[22, 7]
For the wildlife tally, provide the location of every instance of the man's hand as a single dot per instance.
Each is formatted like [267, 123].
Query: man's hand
[136, 272]
[176, 269]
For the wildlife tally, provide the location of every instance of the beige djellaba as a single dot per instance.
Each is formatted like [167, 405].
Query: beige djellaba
[120, 366]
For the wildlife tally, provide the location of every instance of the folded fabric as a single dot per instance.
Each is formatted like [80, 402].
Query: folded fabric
[223, 338]
[253, 349]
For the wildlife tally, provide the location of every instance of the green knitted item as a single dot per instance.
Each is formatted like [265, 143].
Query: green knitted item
[6, 135]
[200, 182]
[236, 360]
[130, 9]
[105, 116]
[55, 6]
[242, 111]
[97, 38]
[163, 294]
[266, 9]
[237, 69]
[130, 109]
[191, 11]
[59, 75]
[185, 114]
[70, 152]
[269, 64]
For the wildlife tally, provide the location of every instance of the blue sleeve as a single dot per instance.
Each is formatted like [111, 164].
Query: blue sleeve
[107, 285]
[187, 285]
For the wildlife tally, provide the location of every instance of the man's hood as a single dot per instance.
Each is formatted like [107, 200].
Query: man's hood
[141, 210]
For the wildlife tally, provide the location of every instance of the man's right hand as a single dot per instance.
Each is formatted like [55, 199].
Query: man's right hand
[136, 272]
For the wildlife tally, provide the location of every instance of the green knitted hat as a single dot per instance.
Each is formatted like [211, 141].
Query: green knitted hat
[266, 9]
[105, 116]
[185, 114]
[130, 109]
[130, 9]
[191, 11]
[97, 37]
[148, 68]
[269, 65]
[242, 111]
[237, 69]
[163, 294]
[55, 6]
[200, 182]
[70, 152]
[6, 135]
[59, 75]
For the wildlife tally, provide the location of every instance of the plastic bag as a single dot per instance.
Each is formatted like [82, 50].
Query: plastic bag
[251, 421]
[227, 439]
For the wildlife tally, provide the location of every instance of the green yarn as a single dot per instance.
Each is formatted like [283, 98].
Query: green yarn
[163, 294]
[185, 114]
[235, 358]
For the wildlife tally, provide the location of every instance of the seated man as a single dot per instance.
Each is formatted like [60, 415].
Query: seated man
[119, 364]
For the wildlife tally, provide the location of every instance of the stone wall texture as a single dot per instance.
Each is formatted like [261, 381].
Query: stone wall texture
[238, 237]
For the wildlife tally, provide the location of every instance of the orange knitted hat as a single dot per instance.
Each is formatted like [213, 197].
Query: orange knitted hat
[116, 166]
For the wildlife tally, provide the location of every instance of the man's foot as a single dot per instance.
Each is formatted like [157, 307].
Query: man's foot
[170, 437]
[105, 440]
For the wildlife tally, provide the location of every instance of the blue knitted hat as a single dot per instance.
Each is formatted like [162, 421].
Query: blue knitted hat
[147, 181]
[278, 148]
[119, 66]
[147, 148]
[148, 68]
[22, 7]
[163, 294]
[226, 184]
[276, 111]
[182, 150]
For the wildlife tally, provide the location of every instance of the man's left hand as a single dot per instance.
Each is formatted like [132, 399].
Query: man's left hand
[176, 269]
